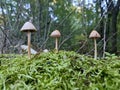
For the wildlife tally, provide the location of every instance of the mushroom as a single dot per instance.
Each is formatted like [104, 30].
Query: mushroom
[28, 27]
[94, 35]
[56, 34]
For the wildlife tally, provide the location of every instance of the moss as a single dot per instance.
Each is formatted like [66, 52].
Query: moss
[65, 70]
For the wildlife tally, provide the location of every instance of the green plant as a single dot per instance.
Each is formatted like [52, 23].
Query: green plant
[66, 70]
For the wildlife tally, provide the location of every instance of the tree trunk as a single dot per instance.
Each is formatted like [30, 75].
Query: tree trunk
[111, 33]
[114, 31]
[115, 13]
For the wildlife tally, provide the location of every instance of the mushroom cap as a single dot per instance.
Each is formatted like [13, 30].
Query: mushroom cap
[28, 26]
[55, 33]
[94, 34]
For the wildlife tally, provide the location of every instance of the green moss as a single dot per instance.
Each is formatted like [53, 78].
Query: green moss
[65, 70]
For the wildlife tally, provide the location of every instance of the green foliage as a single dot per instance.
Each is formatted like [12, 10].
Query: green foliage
[62, 71]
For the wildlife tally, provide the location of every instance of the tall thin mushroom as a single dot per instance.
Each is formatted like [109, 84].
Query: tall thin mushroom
[28, 27]
[94, 35]
[56, 34]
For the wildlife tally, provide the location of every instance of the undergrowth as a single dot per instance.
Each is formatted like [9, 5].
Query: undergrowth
[62, 71]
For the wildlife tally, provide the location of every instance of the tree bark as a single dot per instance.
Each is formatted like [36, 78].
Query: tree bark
[111, 29]
[114, 30]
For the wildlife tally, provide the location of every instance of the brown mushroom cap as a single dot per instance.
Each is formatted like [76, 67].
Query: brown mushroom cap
[94, 34]
[28, 26]
[55, 33]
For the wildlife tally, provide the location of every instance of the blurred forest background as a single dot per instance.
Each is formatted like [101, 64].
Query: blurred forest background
[75, 19]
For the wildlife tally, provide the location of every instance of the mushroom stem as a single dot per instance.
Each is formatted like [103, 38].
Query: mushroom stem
[95, 51]
[56, 45]
[29, 44]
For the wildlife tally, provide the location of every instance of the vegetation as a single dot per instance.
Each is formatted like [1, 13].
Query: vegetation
[75, 19]
[71, 69]
[66, 70]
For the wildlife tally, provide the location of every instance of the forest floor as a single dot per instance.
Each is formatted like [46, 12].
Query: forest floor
[65, 70]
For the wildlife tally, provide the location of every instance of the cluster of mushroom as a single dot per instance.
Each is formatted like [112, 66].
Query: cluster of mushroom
[29, 27]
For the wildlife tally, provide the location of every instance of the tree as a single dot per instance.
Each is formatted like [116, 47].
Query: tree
[110, 11]
[47, 15]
